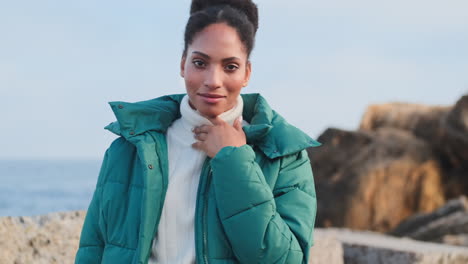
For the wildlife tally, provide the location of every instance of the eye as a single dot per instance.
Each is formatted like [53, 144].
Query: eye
[199, 63]
[231, 67]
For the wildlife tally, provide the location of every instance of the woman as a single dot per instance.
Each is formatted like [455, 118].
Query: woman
[187, 181]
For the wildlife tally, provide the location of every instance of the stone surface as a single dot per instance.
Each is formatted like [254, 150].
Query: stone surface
[47, 239]
[448, 224]
[54, 238]
[373, 180]
[445, 129]
[405, 159]
[374, 248]
[327, 249]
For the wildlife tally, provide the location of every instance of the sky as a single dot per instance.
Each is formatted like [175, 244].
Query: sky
[318, 63]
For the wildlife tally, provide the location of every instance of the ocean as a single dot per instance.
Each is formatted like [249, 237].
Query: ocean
[36, 187]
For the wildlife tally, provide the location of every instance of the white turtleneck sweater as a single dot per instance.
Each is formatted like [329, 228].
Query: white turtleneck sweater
[175, 240]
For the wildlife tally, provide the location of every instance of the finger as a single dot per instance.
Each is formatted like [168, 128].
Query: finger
[202, 129]
[198, 145]
[201, 136]
[217, 121]
[237, 124]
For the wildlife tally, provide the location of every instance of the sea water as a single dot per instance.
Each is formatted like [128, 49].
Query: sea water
[35, 187]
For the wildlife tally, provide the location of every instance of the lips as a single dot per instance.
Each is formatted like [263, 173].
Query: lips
[211, 95]
[211, 98]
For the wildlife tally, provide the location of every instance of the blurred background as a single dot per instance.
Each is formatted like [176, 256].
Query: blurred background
[320, 64]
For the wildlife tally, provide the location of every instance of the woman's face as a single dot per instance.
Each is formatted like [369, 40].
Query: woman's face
[215, 69]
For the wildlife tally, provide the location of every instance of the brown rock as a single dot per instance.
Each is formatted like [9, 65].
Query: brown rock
[422, 120]
[373, 180]
[445, 129]
[404, 159]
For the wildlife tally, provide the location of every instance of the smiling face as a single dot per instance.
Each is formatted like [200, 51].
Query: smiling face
[215, 69]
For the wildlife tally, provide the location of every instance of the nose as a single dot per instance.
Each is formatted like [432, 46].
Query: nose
[213, 78]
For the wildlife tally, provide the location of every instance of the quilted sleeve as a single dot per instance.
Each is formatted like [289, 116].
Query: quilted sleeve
[92, 241]
[264, 225]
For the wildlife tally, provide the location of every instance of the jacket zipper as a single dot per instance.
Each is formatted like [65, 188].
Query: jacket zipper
[205, 180]
[205, 211]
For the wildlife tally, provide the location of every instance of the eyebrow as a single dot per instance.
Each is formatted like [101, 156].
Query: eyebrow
[208, 57]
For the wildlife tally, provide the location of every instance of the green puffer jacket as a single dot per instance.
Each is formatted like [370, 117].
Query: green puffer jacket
[255, 203]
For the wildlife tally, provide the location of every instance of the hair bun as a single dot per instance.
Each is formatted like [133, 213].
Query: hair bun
[245, 6]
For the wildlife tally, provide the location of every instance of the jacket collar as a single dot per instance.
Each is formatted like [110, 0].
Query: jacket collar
[267, 129]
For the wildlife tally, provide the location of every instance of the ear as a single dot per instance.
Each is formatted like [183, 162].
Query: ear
[248, 71]
[182, 66]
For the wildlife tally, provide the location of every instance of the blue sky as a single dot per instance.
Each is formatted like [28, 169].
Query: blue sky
[319, 64]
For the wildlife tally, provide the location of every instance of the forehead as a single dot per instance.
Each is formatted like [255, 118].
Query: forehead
[218, 41]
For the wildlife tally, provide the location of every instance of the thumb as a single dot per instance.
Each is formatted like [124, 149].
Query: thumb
[198, 145]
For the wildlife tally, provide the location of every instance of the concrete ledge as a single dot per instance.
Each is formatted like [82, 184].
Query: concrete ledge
[374, 248]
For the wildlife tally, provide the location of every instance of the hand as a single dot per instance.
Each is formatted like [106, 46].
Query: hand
[212, 138]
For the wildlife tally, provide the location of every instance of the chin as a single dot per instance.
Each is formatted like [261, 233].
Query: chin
[210, 110]
[209, 113]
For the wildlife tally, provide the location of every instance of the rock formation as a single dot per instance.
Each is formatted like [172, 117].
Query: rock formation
[404, 159]
[372, 181]
[444, 129]
[448, 224]
[46, 239]
[54, 238]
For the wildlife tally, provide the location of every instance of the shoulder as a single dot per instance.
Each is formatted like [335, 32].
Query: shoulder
[118, 159]
[270, 131]
[120, 148]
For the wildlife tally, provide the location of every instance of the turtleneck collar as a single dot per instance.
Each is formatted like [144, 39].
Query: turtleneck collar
[192, 118]
[265, 128]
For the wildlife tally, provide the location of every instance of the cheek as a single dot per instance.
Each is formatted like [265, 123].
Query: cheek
[190, 85]
[235, 84]
[238, 79]
[192, 80]
[234, 89]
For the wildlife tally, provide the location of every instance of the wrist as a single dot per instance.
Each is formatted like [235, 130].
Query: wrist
[229, 152]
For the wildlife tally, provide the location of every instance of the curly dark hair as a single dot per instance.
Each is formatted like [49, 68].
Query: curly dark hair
[239, 14]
